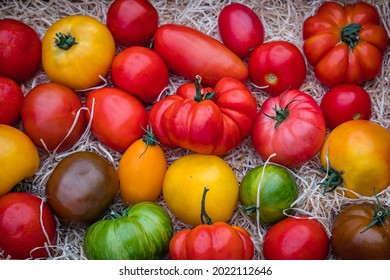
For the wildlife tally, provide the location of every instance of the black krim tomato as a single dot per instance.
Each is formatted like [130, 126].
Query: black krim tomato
[81, 188]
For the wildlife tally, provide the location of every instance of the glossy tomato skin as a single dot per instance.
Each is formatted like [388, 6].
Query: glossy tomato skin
[217, 241]
[81, 187]
[344, 43]
[296, 238]
[20, 50]
[352, 239]
[120, 129]
[299, 135]
[345, 102]
[140, 71]
[142, 233]
[132, 22]
[22, 219]
[48, 113]
[213, 126]
[189, 52]
[241, 30]
[11, 99]
[277, 66]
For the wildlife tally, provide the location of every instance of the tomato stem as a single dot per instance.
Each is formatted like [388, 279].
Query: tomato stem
[148, 138]
[250, 209]
[199, 96]
[333, 181]
[203, 213]
[379, 216]
[280, 113]
[64, 41]
[349, 34]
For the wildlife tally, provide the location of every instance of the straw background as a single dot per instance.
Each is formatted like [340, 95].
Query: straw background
[282, 20]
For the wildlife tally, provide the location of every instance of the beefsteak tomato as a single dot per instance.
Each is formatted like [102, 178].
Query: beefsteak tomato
[208, 121]
[345, 43]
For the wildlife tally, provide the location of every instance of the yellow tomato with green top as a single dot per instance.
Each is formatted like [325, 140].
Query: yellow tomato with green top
[76, 50]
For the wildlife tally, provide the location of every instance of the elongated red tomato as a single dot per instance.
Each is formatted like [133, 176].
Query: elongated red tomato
[189, 52]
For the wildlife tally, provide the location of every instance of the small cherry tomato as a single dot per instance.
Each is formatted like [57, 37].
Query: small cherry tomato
[11, 98]
[345, 102]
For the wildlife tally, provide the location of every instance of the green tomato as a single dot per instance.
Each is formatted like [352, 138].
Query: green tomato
[278, 191]
[142, 233]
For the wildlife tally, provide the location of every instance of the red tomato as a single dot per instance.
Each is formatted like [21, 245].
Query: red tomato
[20, 50]
[11, 98]
[241, 30]
[292, 126]
[189, 52]
[132, 22]
[345, 102]
[140, 71]
[27, 225]
[208, 125]
[277, 66]
[118, 117]
[49, 111]
[296, 239]
[345, 43]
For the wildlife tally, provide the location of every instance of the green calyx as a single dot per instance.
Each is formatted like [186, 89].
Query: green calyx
[64, 41]
[148, 138]
[199, 96]
[379, 216]
[349, 34]
[333, 180]
[281, 113]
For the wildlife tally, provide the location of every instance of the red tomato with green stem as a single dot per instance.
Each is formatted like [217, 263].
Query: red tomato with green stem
[345, 102]
[241, 30]
[11, 99]
[277, 66]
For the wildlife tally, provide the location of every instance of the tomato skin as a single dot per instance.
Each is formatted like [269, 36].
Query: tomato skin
[298, 238]
[132, 22]
[297, 138]
[241, 30]
[81, 187]
[208, 126]
[189, 52]
[142, 233]
[134, 68]
[20, 50]
[278, 191]
[352, 240]
[48, 113]
[118, 131]
[276, 67]
[360, 150]
[336, 58]
[11, 99]
[21, 229]
[218, 241]
[345, 102]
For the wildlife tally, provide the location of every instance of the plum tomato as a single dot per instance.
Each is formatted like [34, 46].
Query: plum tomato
[11, 98]
[27, 226]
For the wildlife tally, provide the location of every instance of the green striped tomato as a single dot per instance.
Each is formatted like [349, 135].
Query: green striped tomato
[142, 233]
[278, 191]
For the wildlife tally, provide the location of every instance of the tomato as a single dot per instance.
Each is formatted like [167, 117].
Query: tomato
[11, 98]
[296, 238]
[19, 158]
[356, 156]
[134, 68]
[276, 67]
[120, 129]
[132, 22]
[27, 226]
[202, 121]
[345, 102]
[81, 188]
[290, 125]
[77, 51]
[184, 183]
[273, 197]
[141, 233]
[344, 43]
[241, 30]
[53, 117]
[141, 170]
[20, 50]
[189, 52]
[361, 232]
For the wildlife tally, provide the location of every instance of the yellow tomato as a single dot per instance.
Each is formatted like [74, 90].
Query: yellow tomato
[141, 172]
[19, 158]
[76, 50]
[359, 151]
[184, 185]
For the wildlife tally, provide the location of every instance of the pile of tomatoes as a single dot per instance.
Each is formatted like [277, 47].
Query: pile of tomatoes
[111, 82]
